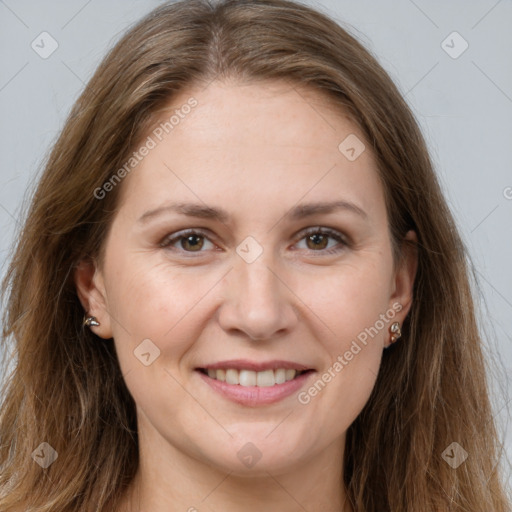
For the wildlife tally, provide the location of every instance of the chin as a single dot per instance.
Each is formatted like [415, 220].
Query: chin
[258, 454]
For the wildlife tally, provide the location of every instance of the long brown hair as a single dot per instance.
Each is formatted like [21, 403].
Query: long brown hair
[66, 387]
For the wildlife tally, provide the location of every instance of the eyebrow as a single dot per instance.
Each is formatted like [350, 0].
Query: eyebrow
[207, 212]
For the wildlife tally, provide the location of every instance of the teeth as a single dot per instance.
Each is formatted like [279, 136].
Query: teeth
[246, 378]
[280, 375]
[249, 378]
[265, 379]
[289, 374]
[232, 377]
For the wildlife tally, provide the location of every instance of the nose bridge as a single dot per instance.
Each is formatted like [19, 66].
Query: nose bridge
[253, 269]
[260, 283]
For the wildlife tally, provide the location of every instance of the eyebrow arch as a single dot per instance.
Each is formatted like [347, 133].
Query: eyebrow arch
[306, 210]
[206, 212]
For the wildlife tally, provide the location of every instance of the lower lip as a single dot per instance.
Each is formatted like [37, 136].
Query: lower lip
[254, 395]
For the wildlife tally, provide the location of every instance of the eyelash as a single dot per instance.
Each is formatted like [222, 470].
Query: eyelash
[168, 241]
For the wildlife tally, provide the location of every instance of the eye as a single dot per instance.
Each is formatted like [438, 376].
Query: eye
[189, 241]
[317, 239]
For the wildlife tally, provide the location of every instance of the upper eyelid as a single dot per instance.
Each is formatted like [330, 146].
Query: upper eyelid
[186, 232]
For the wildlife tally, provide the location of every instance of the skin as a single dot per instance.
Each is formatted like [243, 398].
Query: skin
[256, 150]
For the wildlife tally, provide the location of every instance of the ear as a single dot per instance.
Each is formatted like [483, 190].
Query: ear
[405, 273]
[90, 288]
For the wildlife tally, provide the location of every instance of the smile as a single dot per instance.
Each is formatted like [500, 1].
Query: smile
[249, 378]
[255, 384]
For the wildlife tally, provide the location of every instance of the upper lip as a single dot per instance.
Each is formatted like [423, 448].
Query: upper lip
[245, 364]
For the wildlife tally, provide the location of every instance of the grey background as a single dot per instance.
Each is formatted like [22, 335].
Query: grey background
[463, 104]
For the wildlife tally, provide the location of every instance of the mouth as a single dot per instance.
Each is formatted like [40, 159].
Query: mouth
[255, 384]
[250, 378]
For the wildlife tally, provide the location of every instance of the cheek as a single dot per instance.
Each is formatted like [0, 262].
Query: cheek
[349, 298]
[353, 306]
[154, 302]
[146, 298]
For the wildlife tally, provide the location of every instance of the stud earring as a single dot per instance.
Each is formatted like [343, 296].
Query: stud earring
[396, 333]
[90, 321]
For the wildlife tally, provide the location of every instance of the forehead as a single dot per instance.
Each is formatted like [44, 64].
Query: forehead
[252, 144]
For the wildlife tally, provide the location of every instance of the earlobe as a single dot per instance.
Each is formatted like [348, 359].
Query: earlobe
[91, 292]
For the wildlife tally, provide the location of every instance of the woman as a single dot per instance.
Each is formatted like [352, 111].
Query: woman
[239, 287]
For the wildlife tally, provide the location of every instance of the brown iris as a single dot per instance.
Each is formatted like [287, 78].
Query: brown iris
[194, 242]
[319, 240]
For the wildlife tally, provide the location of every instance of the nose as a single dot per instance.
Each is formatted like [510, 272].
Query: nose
[257, 301]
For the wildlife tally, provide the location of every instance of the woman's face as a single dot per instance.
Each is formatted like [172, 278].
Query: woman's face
[266, 247]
